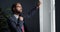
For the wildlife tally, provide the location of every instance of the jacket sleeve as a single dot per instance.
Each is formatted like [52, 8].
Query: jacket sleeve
[31, 12]
[20, 23]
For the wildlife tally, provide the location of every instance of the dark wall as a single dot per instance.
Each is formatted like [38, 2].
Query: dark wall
[32, 24]
[57, 15]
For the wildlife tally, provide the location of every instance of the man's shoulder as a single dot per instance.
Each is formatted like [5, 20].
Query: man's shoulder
[12, 18]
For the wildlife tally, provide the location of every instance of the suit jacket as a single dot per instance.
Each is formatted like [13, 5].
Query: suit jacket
[28, 16]
[14, 24]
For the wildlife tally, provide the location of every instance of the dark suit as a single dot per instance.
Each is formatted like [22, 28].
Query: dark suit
[13, 22]
[14, 25]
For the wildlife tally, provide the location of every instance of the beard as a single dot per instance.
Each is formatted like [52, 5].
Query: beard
[18, 11]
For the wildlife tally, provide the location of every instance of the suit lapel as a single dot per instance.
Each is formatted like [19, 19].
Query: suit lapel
[13, 18]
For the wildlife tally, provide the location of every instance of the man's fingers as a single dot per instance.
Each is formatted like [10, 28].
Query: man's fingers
[21, 18]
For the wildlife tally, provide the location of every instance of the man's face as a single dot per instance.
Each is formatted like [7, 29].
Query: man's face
[19, 7]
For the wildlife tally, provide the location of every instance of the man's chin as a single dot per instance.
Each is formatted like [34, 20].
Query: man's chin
[20, 11]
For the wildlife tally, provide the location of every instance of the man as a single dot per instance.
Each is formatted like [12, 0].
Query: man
[16, 20]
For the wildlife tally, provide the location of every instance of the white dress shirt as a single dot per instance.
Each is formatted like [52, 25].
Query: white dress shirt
[16, 16]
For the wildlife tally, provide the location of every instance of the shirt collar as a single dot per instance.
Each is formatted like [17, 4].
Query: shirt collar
[16, 16]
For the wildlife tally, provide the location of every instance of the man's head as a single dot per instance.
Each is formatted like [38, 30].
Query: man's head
[17, 8]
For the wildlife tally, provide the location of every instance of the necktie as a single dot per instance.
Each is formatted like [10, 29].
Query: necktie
[22, 28]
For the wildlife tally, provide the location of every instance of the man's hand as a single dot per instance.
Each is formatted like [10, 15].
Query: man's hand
[21, 18]
[38, 4]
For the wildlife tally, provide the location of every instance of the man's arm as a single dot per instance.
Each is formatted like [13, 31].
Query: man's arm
[21, 21]
[34, 10]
